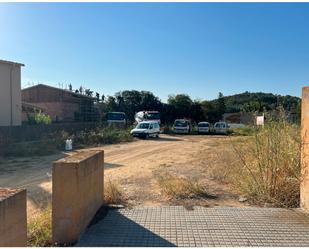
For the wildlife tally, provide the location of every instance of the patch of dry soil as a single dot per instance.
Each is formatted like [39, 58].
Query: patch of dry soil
[132, 166]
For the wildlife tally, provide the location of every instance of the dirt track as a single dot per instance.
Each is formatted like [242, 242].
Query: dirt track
[132, 166]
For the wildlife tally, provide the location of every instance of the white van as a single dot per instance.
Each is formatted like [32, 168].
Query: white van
[181, 126]
[221, 128]
[203, 127]
[146, 129]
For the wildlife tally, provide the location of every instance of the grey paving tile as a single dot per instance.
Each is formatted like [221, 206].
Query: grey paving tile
[222, 226]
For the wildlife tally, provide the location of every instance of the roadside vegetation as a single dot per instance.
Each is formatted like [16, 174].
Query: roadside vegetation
[39, 118]
[175, 187]
[55, 142]
[40, 229]
[98, 136]
[266, 164]
[113, 193]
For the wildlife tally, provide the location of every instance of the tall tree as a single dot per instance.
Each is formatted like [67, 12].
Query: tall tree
[182, 104]
[221, 108]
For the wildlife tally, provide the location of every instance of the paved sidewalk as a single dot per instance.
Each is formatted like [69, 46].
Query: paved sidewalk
[176, 226]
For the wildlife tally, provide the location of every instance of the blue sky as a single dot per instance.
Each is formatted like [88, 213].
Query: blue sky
[167, 48]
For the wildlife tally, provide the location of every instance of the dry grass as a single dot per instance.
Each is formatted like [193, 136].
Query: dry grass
[113, 193]
[40, 229]
[174, 187]
[223, 159]
[269, 164]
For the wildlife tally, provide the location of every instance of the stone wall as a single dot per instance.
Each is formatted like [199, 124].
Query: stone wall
[77, 194]
[13, 217]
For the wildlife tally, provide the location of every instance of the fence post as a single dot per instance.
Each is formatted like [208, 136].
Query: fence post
[304, 186]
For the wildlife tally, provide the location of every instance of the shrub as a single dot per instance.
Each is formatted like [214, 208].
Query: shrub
[107, 135]
[40, 229]
[245, 131]
[269, 169]
[113, 193]
[175, 187]
[39, 118]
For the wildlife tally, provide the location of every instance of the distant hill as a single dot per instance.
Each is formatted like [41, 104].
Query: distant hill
[259, 101]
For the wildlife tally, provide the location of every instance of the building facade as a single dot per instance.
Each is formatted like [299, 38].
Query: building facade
[60, 104]
[10, 94]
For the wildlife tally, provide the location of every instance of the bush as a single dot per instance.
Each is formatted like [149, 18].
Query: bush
[175, 187]
[107, 135]
[39, 118]
[113, 193]
[269, 169]
[245, 131]
[40, 229]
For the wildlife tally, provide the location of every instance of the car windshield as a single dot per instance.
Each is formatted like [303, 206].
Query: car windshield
[143, 126]
[220, 125]
[180, 123]
[115, 116]
[155, 115]
[203, 125]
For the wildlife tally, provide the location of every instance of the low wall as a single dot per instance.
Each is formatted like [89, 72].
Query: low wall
[13, 217]
[77, 194]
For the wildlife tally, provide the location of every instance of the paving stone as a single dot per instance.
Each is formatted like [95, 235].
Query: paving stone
[176, 226]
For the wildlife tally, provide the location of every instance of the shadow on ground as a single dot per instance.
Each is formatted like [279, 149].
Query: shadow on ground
[128, 232]
[167, 139]
[111, 165]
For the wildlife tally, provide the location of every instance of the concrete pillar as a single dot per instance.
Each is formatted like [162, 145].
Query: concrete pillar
[13, 217]
[77, 194]
[304, 187]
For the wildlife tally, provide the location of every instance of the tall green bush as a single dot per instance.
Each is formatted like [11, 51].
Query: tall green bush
[39, 118]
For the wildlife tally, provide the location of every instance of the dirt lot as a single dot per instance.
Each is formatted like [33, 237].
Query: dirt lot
[133, 167]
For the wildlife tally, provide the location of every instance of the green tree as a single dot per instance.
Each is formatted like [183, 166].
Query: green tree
[221, 108]
[182, 104]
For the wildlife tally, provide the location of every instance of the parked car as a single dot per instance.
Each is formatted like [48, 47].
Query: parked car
[221, 128]
[203, 127]
[146, 129]
[182, 126]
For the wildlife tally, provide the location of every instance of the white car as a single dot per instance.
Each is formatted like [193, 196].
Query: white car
[181, 126]
[221, 128]
[146, 129]
[203, 127]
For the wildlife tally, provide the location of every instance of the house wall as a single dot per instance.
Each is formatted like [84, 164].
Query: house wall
[59, 111]
[58, 102]
[10, 99]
